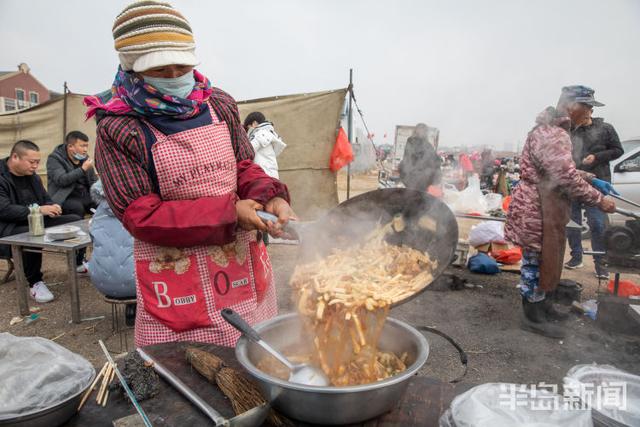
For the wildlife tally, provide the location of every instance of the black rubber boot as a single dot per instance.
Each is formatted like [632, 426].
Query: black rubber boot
[130, 314]
[535, 320]
[552, 313]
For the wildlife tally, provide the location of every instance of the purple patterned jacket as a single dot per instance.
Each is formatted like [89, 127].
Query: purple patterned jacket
[547, 151]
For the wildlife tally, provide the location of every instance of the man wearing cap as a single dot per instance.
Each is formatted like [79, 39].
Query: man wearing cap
[540, 208]
[178, 171]
[595, 144]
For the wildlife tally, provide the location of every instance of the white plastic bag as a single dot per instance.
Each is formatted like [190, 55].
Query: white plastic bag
[486, 232]
[494, 201]
[622, 388]
[508, 405]
[471, 199]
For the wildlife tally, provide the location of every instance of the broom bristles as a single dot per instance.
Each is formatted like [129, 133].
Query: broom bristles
[243, 393]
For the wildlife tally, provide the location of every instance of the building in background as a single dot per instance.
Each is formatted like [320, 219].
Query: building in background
[20, 89]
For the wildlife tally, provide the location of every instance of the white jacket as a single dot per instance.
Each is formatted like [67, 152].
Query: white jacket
[268, 145]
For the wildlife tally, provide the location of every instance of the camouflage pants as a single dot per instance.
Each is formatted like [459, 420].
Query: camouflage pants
[530, 276]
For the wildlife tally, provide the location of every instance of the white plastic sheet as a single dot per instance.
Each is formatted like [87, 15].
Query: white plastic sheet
[619, 397]
[497, 405]
[36, 373]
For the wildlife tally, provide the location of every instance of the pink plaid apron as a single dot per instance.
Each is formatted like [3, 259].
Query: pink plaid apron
[180, 291]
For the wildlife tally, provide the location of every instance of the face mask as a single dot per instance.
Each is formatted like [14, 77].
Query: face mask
[79, 156]
[180, 87]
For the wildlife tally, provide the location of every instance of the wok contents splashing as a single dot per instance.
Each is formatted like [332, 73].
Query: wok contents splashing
[345, 298]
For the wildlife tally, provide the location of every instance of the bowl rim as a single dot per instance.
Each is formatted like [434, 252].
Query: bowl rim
[421, 358]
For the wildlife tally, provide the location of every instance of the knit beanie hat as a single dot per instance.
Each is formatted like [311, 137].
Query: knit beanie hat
[151, 34]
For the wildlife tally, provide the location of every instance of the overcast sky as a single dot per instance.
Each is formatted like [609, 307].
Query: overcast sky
[478, 70]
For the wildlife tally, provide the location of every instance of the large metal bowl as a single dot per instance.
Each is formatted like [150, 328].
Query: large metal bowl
[332, 405]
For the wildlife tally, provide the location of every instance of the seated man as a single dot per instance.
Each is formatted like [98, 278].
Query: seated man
[70, 175]
[20, 187]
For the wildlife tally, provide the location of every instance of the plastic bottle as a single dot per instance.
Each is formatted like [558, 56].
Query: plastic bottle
[36, 221]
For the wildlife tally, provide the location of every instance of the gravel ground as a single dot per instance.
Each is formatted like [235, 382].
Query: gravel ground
[484, 321]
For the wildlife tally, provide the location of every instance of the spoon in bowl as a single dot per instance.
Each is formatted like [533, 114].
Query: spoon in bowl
[298, 373]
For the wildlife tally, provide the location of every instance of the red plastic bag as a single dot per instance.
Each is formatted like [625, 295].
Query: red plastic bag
[505, 203]
[342, 153]
[508, 256]
[626, 288]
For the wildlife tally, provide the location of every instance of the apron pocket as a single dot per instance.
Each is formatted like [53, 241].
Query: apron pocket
[262, 271]
[229, 274]
[172, 293]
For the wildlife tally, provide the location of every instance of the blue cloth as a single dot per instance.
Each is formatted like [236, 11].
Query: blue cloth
[597, 223]
[111, 267]
[483, 263]
[530, 277]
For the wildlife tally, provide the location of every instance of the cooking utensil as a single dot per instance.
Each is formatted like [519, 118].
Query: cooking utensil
[251, 418]
[622, 199]
[298, 373]
[125, 386]
[331, 405]
[292, 228]
[428, 226]
[628, 213]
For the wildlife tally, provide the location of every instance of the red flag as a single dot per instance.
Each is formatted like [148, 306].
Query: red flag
[342, 153]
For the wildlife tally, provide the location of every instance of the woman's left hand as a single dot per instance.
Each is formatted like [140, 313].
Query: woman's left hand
[280, 208]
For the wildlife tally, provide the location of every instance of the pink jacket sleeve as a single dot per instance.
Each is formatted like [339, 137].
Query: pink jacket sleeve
[554, 158]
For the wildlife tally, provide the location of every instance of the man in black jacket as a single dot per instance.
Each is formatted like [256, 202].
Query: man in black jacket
[20, 187]
[420, 165]
[595, 144]
[70, 174]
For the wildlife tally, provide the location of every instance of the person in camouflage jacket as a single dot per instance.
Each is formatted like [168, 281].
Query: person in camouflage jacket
[539, 211]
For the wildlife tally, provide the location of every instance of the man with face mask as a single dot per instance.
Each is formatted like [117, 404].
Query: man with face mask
[70, 174]
[539, 211]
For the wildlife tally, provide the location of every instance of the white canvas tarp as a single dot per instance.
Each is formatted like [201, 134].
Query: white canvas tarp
[307, 122]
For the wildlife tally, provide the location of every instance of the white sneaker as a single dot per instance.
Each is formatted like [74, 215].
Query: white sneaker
[83, 268]
[41, 293]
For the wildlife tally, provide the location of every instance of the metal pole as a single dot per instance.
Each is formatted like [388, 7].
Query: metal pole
[64, 112]
[350, 129]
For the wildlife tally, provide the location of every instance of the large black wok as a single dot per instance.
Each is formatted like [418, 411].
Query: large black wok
[350, 222]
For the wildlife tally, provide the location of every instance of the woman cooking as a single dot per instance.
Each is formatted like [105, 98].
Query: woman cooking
[178, 172]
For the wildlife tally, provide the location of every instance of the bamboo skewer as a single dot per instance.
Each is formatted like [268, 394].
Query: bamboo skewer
[103, 386]
[106, 394]
[92, 386]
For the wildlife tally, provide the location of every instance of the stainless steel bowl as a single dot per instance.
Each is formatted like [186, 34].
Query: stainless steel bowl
[332, 405]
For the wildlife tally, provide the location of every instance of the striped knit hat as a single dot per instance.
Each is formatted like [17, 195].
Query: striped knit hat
[151, 34]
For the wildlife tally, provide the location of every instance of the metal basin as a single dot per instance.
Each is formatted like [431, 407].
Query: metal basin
[332, 405]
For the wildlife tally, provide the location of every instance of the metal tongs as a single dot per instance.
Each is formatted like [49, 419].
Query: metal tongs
[251, 418]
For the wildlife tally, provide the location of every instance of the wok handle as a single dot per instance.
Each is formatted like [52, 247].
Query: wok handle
[184, 389]
[235, 320]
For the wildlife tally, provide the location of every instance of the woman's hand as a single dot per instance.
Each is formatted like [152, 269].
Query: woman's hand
[247, 217]
[607, 205]
[280, 208]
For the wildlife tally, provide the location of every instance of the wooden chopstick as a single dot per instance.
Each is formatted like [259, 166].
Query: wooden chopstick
[92, 386]
[106, 394]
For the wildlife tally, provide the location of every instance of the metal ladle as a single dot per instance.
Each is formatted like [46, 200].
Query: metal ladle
[299, 373]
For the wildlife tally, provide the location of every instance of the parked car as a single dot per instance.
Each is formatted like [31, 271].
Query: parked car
[625, 177]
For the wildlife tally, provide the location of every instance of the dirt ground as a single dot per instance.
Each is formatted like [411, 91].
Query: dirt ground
[483, 320]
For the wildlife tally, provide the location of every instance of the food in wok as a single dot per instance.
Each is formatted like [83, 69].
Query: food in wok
[344, 299]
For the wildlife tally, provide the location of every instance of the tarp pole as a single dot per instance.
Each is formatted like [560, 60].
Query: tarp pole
[64, 112]
[350, 129]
